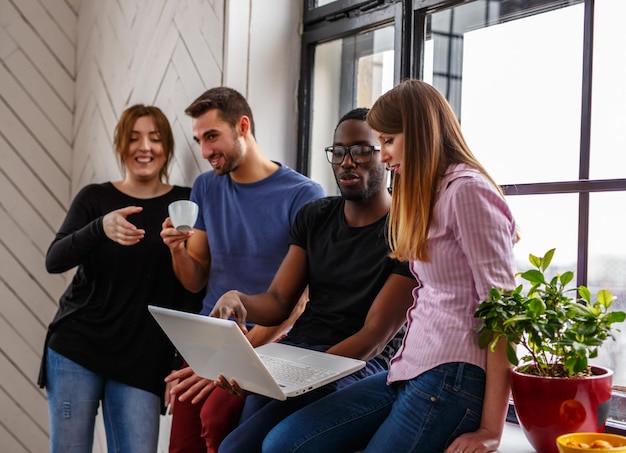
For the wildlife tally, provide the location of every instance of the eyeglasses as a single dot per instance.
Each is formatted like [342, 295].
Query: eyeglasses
[359, 154]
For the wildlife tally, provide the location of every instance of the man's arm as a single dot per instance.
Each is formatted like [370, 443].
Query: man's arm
[188, 385]
[275, 306]
[384, 318]
[260, 335]
[191, 262]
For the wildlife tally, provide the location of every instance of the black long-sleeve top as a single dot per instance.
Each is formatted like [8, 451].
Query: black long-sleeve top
[103, 323]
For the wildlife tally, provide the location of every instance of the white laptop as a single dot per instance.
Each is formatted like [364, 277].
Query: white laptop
[213, 346]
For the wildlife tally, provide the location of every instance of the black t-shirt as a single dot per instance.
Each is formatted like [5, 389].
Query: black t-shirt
[347, 267]
[103, 323]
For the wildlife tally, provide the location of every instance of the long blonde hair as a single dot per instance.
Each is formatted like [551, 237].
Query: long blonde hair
[432, 141]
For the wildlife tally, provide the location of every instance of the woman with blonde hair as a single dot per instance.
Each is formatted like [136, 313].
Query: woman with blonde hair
[450, 221]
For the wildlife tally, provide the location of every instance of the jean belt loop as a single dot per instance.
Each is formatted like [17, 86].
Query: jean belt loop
[459, 374]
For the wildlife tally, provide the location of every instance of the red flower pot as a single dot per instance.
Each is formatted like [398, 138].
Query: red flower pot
[547, 407]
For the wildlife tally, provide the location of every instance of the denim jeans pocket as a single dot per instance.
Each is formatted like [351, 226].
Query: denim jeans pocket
[469, 422]
[444, 402]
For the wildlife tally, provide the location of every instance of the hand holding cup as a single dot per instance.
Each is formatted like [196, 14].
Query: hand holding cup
[183, 214]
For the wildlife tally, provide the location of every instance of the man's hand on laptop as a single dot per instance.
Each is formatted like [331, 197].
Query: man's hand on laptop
[189, 385]
[230, 386]
[230, 306]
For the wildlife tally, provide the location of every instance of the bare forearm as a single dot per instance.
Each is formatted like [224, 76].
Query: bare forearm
[360, 346]
[497, 391]
[385, 317]
[265, 309]
[189, 272]
[260, 335]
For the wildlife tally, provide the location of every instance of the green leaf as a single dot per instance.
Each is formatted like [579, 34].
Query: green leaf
[547, 259]
[566, 278]
[485, 338]
[582, 363]
[514, 319]
[533, 276]
[615, 317]
[570, 365]
[578, 347]
[580, 309]
[605, 297]
[587, 329]
[534, 260]
[584, 293]
[511, 354]
[550, 326]
[537, 307]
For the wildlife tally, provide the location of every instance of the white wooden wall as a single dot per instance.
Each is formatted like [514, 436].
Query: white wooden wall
[37, 73]
[67, 70]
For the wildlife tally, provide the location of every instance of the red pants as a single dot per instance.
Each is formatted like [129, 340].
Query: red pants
[201, 427]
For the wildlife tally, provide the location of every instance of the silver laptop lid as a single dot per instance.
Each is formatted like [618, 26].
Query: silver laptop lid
[213, 346]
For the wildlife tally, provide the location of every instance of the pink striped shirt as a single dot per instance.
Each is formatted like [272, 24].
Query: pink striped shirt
[470, 246]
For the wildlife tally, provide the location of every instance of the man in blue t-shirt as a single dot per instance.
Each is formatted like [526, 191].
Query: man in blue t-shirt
[247, 205]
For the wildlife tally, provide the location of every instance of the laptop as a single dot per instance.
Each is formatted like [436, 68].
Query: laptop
[213, 346]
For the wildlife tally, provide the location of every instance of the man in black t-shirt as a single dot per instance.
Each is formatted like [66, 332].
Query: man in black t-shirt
[358, 296]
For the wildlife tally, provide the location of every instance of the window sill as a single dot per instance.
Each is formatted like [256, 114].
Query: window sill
[514, 440]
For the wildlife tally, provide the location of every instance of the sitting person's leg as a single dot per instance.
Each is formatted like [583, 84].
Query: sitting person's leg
[219, 415]
[345, 420]
[261, 414]
[433, 409]
[424, 414]
[186, 432]
[255, 425]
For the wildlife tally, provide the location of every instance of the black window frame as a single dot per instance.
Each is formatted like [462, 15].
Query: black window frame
[334, 21]
[346, 17]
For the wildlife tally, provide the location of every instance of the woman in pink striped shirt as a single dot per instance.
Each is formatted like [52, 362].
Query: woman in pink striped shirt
[449, 219]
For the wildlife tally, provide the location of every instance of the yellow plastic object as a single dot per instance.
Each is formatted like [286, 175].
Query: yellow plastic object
[591, 443]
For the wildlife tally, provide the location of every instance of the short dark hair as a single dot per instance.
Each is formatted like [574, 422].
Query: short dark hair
[359, 113]
[231, 106]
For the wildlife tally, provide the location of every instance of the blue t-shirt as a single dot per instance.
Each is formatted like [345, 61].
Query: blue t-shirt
[247, 227]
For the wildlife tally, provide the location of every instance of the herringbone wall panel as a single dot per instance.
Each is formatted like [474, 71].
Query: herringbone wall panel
[68, 68]
[37, 98]
[162, 54]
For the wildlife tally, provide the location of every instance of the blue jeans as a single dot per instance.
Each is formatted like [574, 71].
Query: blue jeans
[422, 415]
[261, 414]
[131, 415]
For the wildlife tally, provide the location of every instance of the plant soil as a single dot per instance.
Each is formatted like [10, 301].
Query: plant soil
[555, 370]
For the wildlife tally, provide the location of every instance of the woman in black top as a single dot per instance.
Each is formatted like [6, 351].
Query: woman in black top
[103, 345]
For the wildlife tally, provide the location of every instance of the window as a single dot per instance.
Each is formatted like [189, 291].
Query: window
[349, 50]
[537, 86]
[348, 72]
[521, 93]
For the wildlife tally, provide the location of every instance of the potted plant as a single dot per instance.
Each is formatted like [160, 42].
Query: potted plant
[555, 389]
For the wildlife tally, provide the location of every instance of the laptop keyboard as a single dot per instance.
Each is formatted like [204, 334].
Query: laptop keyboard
[290, 373]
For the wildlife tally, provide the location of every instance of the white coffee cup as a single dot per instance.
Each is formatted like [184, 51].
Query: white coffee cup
[183, 214]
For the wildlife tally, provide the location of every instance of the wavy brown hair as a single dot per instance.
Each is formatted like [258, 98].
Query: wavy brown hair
[124, 128]
[432, 141]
